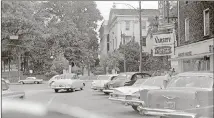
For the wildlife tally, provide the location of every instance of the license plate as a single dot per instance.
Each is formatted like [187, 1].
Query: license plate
[169, 105]
[128, 97]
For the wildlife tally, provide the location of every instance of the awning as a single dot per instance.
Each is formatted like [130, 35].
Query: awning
[192, 56]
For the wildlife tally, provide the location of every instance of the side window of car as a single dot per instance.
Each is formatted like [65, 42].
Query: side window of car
[145, 76]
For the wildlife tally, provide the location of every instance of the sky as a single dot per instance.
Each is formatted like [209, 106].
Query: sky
[105, 6]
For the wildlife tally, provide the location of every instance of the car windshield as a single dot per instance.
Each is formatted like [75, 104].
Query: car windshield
[154, 81]
[103, 77]
[139, 82]
[4, 85]
[191, 81]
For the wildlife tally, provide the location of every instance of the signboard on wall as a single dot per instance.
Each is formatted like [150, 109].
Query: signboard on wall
[163, 44]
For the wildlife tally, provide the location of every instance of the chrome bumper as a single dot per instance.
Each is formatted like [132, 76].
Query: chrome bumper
[164, 112]
[127, 102]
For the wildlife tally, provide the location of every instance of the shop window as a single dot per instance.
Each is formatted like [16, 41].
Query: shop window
[206, 22]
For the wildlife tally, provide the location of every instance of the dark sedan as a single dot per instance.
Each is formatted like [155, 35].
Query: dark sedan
[125, 79]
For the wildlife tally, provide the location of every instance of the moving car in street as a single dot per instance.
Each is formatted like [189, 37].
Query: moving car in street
[125, 79]
[188, 95]
[7, 93]
[130, 95]
[31, 80]
[55, 77]
[29, 109]
[69, 82]
[102, 80]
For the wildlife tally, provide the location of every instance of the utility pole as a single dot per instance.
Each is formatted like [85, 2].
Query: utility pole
[140, 68]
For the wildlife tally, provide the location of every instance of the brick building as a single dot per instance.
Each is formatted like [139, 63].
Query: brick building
[194, 51]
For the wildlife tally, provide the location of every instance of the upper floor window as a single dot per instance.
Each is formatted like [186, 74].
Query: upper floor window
[206, 22]
[127, 25]
[186, 29]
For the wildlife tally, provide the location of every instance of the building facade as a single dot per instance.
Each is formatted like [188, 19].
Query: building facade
[194, 51]
[104, 39]
[123, 26]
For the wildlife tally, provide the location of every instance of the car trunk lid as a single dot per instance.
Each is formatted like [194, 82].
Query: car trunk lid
[172, 99]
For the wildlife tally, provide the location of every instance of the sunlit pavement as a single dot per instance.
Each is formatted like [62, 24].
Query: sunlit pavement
[93, 101]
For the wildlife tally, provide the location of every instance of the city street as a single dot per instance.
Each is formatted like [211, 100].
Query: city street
[93, 101]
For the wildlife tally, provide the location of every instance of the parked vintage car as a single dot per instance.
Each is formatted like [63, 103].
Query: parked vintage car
[188, 95]
[125, 79]
[69, 82]
[31, 80]
[55, 77]
[130, 95]
[102, 80]
[7, 93]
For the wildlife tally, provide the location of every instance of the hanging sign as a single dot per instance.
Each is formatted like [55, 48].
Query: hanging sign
[163, 44]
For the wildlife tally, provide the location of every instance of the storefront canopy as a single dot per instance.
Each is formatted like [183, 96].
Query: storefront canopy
[192, 56]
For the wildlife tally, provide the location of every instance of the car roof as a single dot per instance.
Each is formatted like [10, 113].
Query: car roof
[197, 73]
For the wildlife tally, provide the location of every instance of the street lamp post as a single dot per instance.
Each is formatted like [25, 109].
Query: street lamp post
[140, 68]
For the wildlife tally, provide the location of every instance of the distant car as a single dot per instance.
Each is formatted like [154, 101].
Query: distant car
[28, 109]
[31, 80]
[69, 82]
[102, 80]
[130, 95]
[56, 77]
[125, 79]
[187, 95]
[6, 80]
[7, 93]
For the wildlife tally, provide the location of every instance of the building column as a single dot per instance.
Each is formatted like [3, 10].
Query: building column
[211, 63]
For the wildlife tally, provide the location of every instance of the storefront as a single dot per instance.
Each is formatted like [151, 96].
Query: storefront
[194, 57]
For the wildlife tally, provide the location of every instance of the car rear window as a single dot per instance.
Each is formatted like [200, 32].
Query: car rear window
[192, 81]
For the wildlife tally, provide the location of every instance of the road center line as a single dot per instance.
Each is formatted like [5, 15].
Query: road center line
[51, 99]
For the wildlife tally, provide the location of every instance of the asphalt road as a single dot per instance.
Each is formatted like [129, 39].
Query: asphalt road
[88, 99]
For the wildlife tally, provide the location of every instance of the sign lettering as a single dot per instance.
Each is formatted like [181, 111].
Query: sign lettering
[163, 50]
[163, 44]
[185, 54]
[162, 40]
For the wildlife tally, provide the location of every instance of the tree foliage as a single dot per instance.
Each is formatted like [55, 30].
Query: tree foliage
[51, 28]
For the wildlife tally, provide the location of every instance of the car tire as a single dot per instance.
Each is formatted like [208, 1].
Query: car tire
[22, 82]
[56, 90]
[106, 93]
[36, 82]
[135, 108]
[83, 84]
[22, 97]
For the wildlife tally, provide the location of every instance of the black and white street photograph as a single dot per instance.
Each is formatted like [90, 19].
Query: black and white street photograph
[107, 59]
